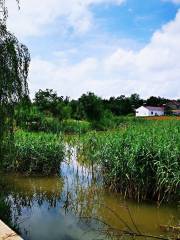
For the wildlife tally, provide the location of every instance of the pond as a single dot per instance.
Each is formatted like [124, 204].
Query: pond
[75, 206]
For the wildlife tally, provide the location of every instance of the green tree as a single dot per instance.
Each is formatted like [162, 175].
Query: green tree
[49, 102]
[92, 106]
[156, 101]
[119, 106]
[46, 100]
[77, 110]
[14, 66]
[22, 110]
[135, 100]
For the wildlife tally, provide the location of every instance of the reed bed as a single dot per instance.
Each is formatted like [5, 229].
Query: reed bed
[142, 161]
[38, 153]
[53, 125]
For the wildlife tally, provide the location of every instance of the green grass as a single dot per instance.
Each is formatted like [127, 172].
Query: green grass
[142, 161]
[38, 153]
[74, 126]
[53, 125]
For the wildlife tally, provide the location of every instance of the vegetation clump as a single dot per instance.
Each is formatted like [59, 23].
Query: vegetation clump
[38, 153]
[141, 161]
[14, 66]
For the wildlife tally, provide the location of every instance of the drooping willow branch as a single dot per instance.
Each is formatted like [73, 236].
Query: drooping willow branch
[14, 66]
[4, 11]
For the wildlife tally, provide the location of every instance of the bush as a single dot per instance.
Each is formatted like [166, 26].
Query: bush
[29, 118]
[38, 122]
[106, 122]
[38, 153]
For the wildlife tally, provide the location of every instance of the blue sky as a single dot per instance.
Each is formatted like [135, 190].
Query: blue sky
[135, 19]
[101, 45]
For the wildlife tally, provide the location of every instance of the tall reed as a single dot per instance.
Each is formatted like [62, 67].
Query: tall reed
[38, 153]
[142, 161]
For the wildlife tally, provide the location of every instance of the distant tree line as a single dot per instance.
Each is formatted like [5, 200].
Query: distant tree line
[88, 107]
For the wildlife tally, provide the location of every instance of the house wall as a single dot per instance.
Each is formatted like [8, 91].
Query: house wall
[144, 112]
[156, 113]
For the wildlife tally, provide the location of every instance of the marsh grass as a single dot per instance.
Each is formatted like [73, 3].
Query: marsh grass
[54, 125]
[38, 153]
[142, 161]
[76, 126]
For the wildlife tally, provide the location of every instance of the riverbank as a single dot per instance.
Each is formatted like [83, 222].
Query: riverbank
[7, 233]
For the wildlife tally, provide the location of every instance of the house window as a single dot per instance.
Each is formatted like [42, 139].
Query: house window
[151, 113]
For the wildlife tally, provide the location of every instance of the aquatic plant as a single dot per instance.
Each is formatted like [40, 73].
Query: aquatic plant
[142, 161]
[75, 126]
[34, 120]
[38, 153]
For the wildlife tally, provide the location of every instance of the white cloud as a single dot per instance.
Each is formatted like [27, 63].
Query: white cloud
[173, 1]
[35, 16]
[152, 70]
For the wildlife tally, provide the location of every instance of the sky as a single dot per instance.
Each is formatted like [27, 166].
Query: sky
[109, 47]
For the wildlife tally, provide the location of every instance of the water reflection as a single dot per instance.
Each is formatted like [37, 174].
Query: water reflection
[75, 205]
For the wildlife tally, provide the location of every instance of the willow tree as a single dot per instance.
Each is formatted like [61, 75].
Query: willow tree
[14, 65]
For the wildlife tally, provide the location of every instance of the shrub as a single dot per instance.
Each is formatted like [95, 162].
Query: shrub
[37, 122]
[106, 122]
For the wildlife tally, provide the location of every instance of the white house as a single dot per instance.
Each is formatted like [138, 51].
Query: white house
[145, 111]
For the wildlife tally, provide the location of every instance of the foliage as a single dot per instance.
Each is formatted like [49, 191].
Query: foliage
[106, 122]
[74, 126]
[4, 11]
[39, 153]
[92, 106]
[135, 100]
[29, 118]
[36, 121]
[100, 112]
[127, 120]
[48, 102]
[78, 112]
[156, 101]
[111, 122]
[14, 65]
[141, 161]
[67, 126]
[119, 106]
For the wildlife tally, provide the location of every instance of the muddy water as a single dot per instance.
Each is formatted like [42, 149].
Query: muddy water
[76, 206]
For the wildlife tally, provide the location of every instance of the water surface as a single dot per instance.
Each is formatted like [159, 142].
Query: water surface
[76, 206]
